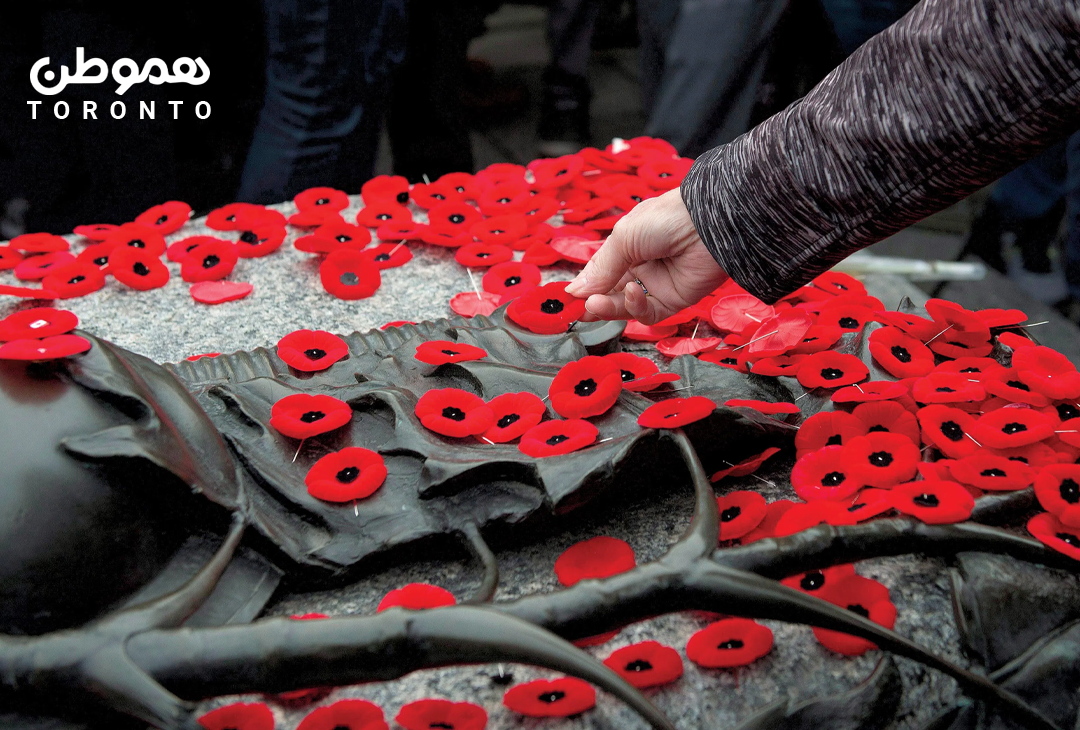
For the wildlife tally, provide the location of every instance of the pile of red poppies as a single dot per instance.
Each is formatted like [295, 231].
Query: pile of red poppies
[40, 334]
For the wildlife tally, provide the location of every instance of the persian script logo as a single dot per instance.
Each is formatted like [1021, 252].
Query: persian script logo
[125, 72]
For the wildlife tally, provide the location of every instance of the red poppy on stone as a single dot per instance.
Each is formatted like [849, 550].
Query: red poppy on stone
[377, 214]
[1058, 491]
[547, 309]
[260, 240]
[818, 338]
[347, 714]
[769, 408]
[1014, 341]
[388, 255]
[868, 503]
[949, 429]
[831, 370]
[805, 516]
[1013, 425]
[920, 328]
[835, 282]
[26, 292]
[429, 195]
[676, 346]
[461, 183]
[824, 474]
[453, 218]
[676, 412]
[345, 475]
[397, 232]
[48, 348]
[396, 323]
[665, 174]
[813, 581]
[976, 368]
[76, 279]
[586, 387]
[209, 261]
[96, 254]
[218, 292]
[1050, 531]
[551, 698]
[767, 527]
[470, 304]
[599, 557]
[166, 218]
[30, 243]
[511, 277]
[829, 428]
[870, 392]
[9, 258]
[639, 374]
[933, 502]
[574, 248]
[311, 350]
[964, 327]
[240, 216]
[556, 437]
[504, 230]
[446, 239]
[646, 664]
[737, 312]
[781, 365]
[644, 333]
[555, 172]
[740, 512]
[37, 323]
[96, 232]
[515, 413]
[889, 416]
[330, 237]
[863, 596]
[34, 268]
[956, 349]
[730, 642]
[302, 416]
[881, 459]
[1001, 317]
[505, 198]
[239, 716]
[745, 467]
[847, 315]
[985, 470]
[1047, 371]
[1005, 383]
[1037, 455]
[947, 388]
[349, 275]
[538, 210]
[541, 254]
[138, 268]
[901, 355]
[779, 334]
[178, 250]
[416, 597]
[385, 189]
[454, 412]
[441, 352]
[442, 714]
[321, 199]
[479, 254]
[134, 235]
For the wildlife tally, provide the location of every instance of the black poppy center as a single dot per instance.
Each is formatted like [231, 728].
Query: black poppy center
[831, 373]
[312, 416]
[1070, 491]
[731, 513]
[848, 323]
[946, 389]
[812, 580]
[881, 458]
[551, 697]
[512, 281]
[901, 354]
[483, 254]
[348, 474]
[349, 279]
[503, 200]
[76, 279]
[1018, 385]
[403, 198]
[210, 261]
[454, 414]
[101, 260]
[451, 353]
[140, 268]
[552, 306]
[1010, 428]
[136, 243]
[314, 353]
[638, 665]
[1067, 411]
[557, 439]
[859, 609]
[731, 644]
[927, 500]
[384, 216]
[952, 431]
[457, 219]
[585, 388]
[161, 220]
[249, 237]
[322, 201]
[1069, 539]
[342, 238]
[438, 196]
[833, 479]
[878, 428]
[835, 440]
[971, 370]
[627, 376]
[440, 726]
[383, 257]
[508, 419]
[993, 473]
[730, 361]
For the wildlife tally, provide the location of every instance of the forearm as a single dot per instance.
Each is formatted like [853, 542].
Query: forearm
[947, 100]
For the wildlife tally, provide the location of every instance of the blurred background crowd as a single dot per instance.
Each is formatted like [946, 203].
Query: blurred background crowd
[331, 92]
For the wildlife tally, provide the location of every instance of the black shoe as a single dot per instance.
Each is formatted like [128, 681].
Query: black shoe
[564, 114]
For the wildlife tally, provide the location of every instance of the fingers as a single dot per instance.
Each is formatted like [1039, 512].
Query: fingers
[631, 303]
[606, 267]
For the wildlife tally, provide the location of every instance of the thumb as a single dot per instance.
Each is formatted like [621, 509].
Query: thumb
[605, 269]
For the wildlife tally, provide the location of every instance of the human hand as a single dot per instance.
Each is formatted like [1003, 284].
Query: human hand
[657, 244]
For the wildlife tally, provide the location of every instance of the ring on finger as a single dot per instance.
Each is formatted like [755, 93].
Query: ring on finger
[639, 283]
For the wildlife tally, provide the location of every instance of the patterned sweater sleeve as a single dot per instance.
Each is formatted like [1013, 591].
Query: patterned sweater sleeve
[948, 99]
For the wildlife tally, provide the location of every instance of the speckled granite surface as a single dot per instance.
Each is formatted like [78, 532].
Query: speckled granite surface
[167, 325]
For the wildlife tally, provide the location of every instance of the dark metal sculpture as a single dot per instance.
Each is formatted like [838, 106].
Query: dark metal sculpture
[101, 455]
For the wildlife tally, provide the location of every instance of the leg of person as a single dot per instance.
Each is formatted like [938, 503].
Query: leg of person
[1071, 249]
[564, 105]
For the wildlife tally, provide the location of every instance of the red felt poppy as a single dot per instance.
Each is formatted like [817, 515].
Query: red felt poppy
[239, 716]
[676, 346]
[1006, 383]
[556, 437]
[388, 255]
[947, 388]
[441, 352]
[839, 284]
[646, 664]
[889, 416]
[1013, 425]
[345, 715]
[551, 698]
[30, 243]
[446, 239]
[767, 407]
[506, 198]
[166, 218]
[260, 240]
[37, 323]
[933, 502]
[95, 231]
[644, 333]
[676, 412]
[639, 374]
[539, 209]
[431, 714]
[863, 596]
[873, 391]
[555, 172]
[385, 189]
[737, 312]
[813, 581]
[478, 254]
[985, 470]
[779, 334]
[47, 348]
[1001, 317]
[849, 316]
[829, 428]
[209, 261]
[775, 366]
[920, 328]
[397, 232]
[958, 324]
[1037, 455]
[955, 349]
[740, 512]
[302, 416]
[575, 248]
[547, 309]
[515, 413]
[321, 199]
[745, 467]
[454, 412]
[976, 368]
[881, 459]
[138, 268]
[178, 250]
[1047, 371]
[504, 230]
[34, 268]
[586, 387]
[730, 642]
[346, 475]
[349, 275]
[1058, 490]
[949, 429]
[218, 292]
[26, 292]
[818, 338]
[1050, 531]
[377, 214]
[9, 258]
[868, 503]
[76, 279]
[416, 597]
[804, 516]
[396, 323]
[824, 474]
[311, 350]
[453, 218]
[901, 355]
[427, 196]
[511, 277]
[599, 557]
[330, 237]
[470, 303]
[462, 183]
[134, 235]
[831, 370]
[241, 216]
[541, 254]
[1014, 341]
[767, 527]
[665, 174]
